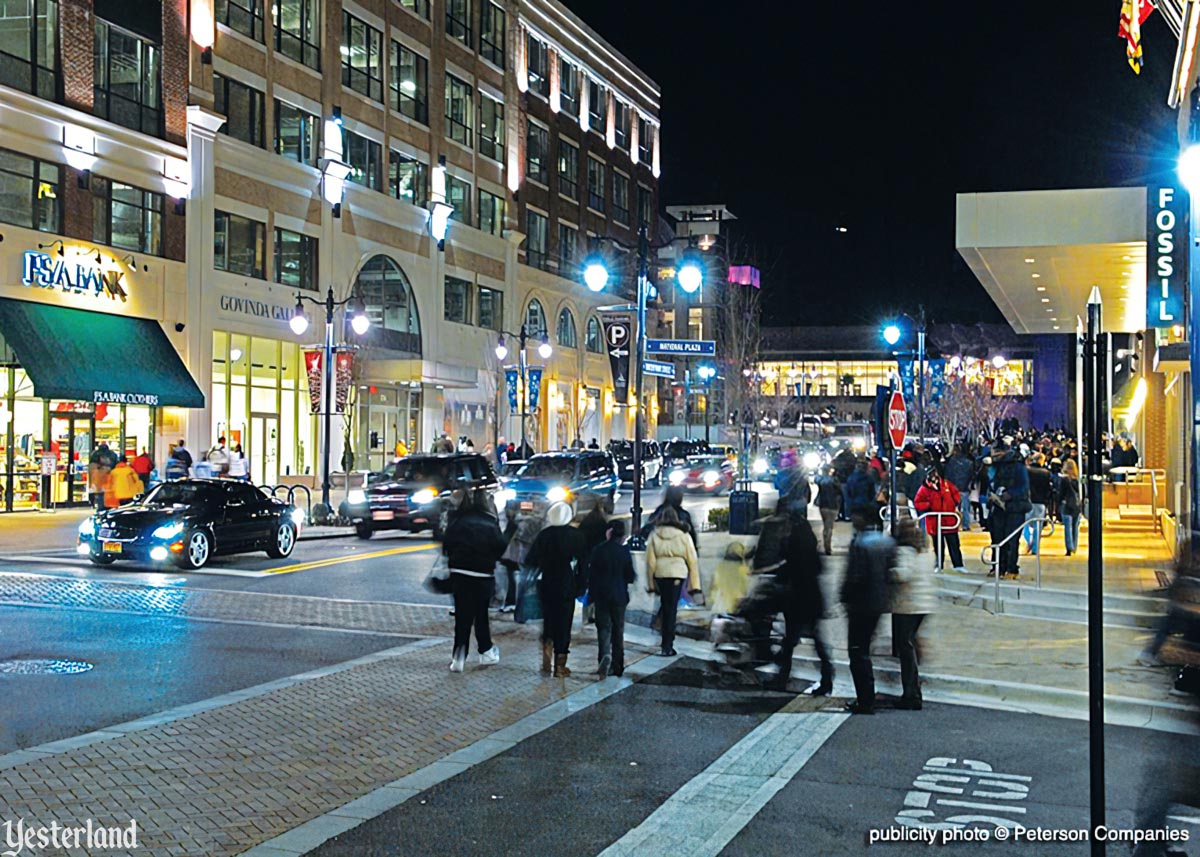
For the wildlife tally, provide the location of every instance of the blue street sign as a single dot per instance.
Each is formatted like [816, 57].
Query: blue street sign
[686, 347]
[659, 370]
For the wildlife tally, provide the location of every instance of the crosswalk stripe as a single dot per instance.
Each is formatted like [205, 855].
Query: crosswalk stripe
[712, 808]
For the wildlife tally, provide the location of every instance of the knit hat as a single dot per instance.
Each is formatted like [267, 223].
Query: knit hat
[559, 515]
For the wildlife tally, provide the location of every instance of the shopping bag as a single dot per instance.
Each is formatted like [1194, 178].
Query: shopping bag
[529, 603]
[437, 581]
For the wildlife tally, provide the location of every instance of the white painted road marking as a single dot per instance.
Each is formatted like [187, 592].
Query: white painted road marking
[968, 778]
[711, 809]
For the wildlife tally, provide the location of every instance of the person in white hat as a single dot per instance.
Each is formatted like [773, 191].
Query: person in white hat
[558, 553]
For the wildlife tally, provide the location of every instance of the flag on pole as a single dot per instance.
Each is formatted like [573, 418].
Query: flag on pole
[1133, 14]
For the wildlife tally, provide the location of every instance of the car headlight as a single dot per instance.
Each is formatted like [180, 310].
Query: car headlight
[812, 460]
[558, 494]
[298, 517]
[168, 531]
[356, 497]
[505, 496]
[676, 477]
[759, 466]
[835, 443]
[711, 477]
[859, 443]
[423, 497]
[88, 527]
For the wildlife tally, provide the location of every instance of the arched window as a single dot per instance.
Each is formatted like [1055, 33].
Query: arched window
[567, 336]
[595, 337]
[391, 306]
[535, 320]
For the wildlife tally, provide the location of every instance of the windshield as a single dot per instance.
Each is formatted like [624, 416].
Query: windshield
[180, 494]
[851, 429]
[551, 467]
[417, 470]
[706, 460]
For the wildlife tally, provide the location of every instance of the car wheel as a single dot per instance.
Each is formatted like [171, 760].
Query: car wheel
[197, 548]
[364, 531]
[285, 541]
[441, 523]
[102, 559]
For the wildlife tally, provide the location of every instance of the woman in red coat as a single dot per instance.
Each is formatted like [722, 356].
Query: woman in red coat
[940, 495]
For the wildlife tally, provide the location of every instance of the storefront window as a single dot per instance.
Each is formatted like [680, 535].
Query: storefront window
[390, 306]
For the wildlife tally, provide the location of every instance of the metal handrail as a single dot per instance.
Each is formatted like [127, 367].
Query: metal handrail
[885, 514]
[994, 561]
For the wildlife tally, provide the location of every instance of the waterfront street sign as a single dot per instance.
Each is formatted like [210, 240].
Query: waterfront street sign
[685, 347]
[659, 370]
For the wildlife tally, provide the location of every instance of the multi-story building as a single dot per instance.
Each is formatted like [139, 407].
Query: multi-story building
[214, 167]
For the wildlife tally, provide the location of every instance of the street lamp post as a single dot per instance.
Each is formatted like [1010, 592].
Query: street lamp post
[707, 372]
[299, 324]
[544, 351]
[891, 335]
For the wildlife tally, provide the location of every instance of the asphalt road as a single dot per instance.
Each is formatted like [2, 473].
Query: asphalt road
[648, 771]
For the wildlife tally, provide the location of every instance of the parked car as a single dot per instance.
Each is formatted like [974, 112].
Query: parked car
[413, 493]
[855, 434]
[708, 474]
[678, 451]
[725, 449]
[189, 521]
[812, 427]
[509, 469]
[652, 460]
[584, 478]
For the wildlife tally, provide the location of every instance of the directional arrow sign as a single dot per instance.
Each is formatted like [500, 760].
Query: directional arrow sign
[686, 347]
[659, 370]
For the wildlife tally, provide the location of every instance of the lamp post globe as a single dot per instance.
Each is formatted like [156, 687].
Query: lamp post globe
[501, 349]
[298, 321]
[690, 274]
[1189, 168]
[595, 273]
[544, 349]
[891, 334]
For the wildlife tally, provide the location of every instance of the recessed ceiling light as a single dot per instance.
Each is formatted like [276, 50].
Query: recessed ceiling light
[1124, 286]
[1056, 327]
[1045, 300]
[1126, 258]
[1049, 309]
[1030, 260]
[1041, 288]
[1036, 276]
[1124, 273]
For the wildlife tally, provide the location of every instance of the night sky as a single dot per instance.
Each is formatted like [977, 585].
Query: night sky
[805, 116]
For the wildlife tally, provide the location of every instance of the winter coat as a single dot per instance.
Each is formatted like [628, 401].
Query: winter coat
[730, 579]
[142, 465]
[98, 476]
[610, 571]
[1040, 485]
[123, 486]
[942, 497]
[671, 554]
[685, 519]
[521, 532]
[559, 553]
[1068, 495]
[1011, 481]
[868, 573]
[914, 590]
[473, 543]
[860, 492]
[594, 528]
[958, 470]
[829, 492]
[801, 573]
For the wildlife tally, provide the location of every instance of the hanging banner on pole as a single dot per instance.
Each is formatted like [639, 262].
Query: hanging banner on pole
[314, 369]
[908, 377]
[618, 342]
[510, 383]
[535, 386]
[343, 377]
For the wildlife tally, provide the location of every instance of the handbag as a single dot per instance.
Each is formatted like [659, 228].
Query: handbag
[529, 602]
[437, 581]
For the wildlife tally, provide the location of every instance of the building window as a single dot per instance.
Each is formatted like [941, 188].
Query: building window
[595, 339]
[458, 300]
[568, 169]
[295, 260]
[568, 87]
[296, 133]
[243, 109]
[409, 83]
[458, 110]
[644, 209]
[243, 16]
[491, 213]
[417, 7]
[491, 308]
[568, 249]
[620, 197]
[29, 192]
[537, 154]
[391, 307]
[645, 140]
[128, 217]
[458, 20]
[407, 178]
[239, 245]
[595, 185]
[458, 194]
[621, 119]
[491, 34]
[491, 127]
[597, 107]
[298, 30]
[365, 159]
[535, 320]
[29, 47]
[362, 57]
[538, 56]
[127, 80]
[567, 337]
[535, 239]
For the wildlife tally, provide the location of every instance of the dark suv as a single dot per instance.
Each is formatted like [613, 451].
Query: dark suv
[676, 452]
[652, 460]
[414, 493]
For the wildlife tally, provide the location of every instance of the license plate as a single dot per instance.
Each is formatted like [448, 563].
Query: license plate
[526, 505]
[112, 547]
[383, 515]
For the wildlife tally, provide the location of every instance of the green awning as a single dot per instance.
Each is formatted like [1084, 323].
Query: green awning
[96, 356]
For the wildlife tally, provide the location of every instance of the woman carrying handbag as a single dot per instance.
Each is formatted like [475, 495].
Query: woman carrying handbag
[671, 560]
[472, 544]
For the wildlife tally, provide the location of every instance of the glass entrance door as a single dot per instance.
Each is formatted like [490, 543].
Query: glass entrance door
[72, 437]
[262, 452]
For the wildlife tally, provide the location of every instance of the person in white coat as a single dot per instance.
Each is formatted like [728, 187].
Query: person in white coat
[671, 561]
[914, 597]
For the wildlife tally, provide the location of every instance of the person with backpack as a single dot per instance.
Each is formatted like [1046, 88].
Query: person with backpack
[1070, 505]
[610, 571]
[671, 563]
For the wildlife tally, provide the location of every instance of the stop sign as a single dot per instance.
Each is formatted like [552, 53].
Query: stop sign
[897, 417]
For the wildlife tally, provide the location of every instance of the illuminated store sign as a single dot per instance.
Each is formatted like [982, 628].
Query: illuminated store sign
[1166, 260]
[43, 271]
[257, 309]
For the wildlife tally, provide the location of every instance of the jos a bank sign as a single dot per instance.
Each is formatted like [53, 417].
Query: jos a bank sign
[84, 277]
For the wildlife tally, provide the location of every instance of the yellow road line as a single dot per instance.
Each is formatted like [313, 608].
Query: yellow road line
[337, 560]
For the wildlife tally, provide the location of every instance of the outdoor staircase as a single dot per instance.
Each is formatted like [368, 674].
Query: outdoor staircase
[1132, 518]
[1022, 599]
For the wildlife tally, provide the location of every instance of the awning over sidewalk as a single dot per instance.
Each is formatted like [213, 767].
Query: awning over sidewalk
[96, 357]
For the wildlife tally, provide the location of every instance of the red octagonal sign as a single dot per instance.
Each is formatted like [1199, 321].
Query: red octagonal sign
[897, 416]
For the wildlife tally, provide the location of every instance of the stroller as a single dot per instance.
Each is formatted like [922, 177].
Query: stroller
[743, 639]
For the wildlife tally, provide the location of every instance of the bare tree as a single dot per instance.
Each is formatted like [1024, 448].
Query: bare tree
[968, 408]
[739, 341]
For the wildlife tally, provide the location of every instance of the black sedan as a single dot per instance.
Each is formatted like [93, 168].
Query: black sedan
[190, 520]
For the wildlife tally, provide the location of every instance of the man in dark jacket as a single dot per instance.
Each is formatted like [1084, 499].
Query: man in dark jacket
[803, 604]
[1009, 502]
[843, 466]
[829, 497]
[472, 545]
[1041, 493]
[558, 552]
[958, 470]
[860, 492]
[865, 596]
[610, 571]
